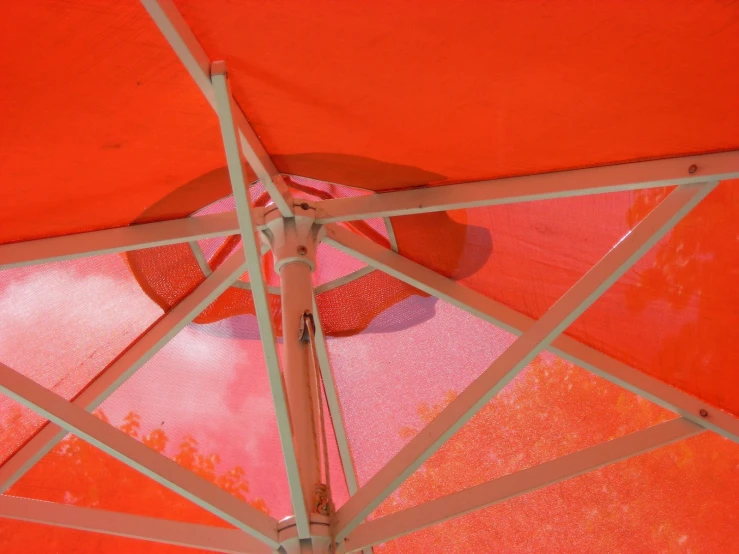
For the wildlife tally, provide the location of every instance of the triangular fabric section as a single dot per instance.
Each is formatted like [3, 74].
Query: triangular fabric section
[34, 538]
[63, 323]
[204, 400]
[551, 409]
[675, 315]
[679, 498]
[411, 354]
[77, 473]
[524, 255]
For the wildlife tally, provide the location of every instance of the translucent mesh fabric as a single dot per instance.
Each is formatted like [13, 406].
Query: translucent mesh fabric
[528, 255]
[675, 315]
[682, 498]
[154, 268]
[204, 400]
[551, 409]
[227, 203]
[211, 246]
[413, 354]
[61, 324]
[332, 264]
[76, 473]
[18, 537]
[349, 309]
[17, 425]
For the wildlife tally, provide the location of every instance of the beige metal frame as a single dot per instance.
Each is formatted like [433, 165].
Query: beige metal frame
[695, 175]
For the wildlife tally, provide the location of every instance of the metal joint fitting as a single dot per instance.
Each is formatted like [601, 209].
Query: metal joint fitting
[293, 239]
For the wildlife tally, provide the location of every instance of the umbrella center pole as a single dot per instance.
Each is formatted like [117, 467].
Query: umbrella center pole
[293, 242]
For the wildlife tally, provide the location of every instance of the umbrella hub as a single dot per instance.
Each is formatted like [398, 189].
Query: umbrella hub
[318, 543]
[292, 239]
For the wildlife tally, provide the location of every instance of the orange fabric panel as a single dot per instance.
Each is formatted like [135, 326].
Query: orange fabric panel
[99, 118]
[676, 499]
[19, 537]
[552, 409]
[77, 473]
[674, 315]
[529, 254]
[390, 94]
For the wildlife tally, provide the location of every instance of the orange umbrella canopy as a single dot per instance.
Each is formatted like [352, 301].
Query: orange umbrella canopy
[103, 127]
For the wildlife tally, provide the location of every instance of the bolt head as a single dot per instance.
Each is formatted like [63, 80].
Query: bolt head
[302, 250]
[692, 169]
[304, 206]
[703, 412]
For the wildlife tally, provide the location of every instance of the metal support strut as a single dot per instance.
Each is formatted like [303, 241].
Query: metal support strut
[293, 243]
